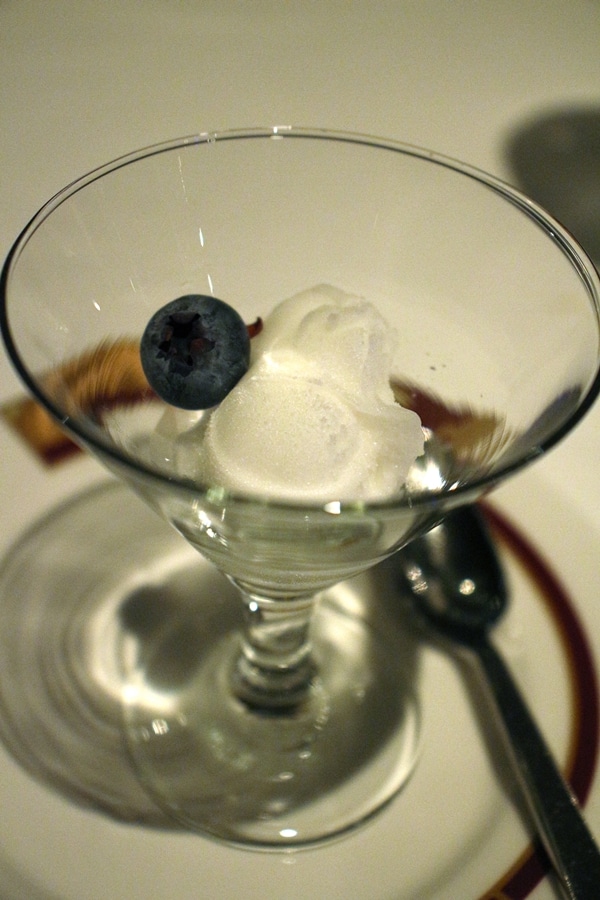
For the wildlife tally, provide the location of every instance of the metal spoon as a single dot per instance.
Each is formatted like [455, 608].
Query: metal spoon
[456, 580]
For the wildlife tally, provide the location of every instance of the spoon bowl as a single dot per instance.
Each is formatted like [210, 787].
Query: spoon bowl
[455, 576]
[456, 581]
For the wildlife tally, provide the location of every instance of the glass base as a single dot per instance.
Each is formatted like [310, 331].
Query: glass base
[105, 611]
[276, 779]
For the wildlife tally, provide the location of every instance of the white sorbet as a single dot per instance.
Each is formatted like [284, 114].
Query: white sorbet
[314, 418]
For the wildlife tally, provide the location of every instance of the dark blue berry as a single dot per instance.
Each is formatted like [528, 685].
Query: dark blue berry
[194, 351]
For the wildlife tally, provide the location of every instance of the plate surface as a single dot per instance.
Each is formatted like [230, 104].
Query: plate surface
[457, 829]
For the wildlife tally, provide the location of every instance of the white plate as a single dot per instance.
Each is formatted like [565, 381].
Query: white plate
[455, 831]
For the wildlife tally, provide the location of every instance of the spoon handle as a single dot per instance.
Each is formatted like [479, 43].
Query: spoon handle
[565, 835]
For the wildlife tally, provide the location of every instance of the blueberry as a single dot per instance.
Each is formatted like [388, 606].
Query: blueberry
[194, 351]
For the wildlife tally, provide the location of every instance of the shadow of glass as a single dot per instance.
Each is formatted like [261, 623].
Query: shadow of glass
[555, 159]
[98, 588]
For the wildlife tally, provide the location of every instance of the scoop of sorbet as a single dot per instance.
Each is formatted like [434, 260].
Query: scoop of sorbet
[314, 418]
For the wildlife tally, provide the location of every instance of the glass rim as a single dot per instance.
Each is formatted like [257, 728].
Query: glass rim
[567, 243]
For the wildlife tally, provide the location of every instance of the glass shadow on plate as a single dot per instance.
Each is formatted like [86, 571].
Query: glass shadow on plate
[555, 159]
[100, 584]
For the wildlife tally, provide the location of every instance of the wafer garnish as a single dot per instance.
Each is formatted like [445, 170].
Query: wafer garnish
[475, 436]
[105, 377]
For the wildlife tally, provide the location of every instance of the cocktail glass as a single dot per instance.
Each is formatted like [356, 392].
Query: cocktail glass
[292, 717]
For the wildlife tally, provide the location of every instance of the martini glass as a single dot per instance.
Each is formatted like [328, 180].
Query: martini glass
[287, 714]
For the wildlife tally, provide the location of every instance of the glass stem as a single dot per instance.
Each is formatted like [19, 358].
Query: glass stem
[275, 668]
